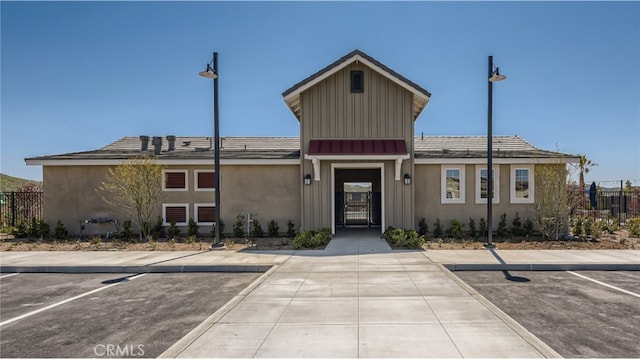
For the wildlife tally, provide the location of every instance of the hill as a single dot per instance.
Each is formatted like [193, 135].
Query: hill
[9, 184]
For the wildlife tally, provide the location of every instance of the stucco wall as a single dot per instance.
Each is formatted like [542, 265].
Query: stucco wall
[428, 198]
[271, 191]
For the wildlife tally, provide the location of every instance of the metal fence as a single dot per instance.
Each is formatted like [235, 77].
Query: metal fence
[19, 208]
[617, 205]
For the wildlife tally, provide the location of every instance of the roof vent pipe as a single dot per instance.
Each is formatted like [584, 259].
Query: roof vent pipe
[157, 145]
[144, 143]
[172, 143]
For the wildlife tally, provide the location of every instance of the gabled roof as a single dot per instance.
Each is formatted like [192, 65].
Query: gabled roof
[420, 95]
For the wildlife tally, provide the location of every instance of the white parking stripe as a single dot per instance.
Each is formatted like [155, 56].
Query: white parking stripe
[605, 284]
[66, 301]
[8, 275]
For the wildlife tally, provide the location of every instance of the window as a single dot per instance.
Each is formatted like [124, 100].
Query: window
[357, 81]
[452, 184]
[205, 213]
[481, 184]
[174, 180]
[205, 180]
[178, 212]
[522, 189]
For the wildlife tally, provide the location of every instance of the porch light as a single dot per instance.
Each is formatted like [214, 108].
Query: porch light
[407, 179]
[307, 179]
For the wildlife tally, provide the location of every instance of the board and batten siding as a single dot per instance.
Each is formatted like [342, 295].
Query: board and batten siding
[384, 110]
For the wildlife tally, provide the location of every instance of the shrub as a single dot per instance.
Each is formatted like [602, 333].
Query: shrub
[257, 231]
[423, 227]
[401, 238]
[59, 231]
[192, 228]
[634, 227]
[291, 232]
[502, 231]
[437, 229]
[473, 232]
[126, 234]
[577, 227]
[588, 227]
[457, 229]
[213, 229]
[192, 239]
[483, 227]
[19, 231]
[273, 229]
[173, 230]
[311, 239]
[43, 229]
[516, 226]
[95, 240]
[238, 226]
[528, 227]
[158, 229]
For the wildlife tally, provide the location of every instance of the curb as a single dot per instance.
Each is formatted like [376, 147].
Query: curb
[542, 267]
[254, 268]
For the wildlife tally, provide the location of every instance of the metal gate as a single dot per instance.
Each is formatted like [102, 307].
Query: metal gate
[357, 208]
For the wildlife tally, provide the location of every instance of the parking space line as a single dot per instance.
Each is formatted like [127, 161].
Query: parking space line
[605, 284]
[67, 300]
[8, 275]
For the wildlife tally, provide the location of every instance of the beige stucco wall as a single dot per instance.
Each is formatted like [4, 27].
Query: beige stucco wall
[428, 198]
[271, 191]
[383, 111]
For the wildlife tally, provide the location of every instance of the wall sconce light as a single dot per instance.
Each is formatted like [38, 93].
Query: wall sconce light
[307, 179]
[407, 178]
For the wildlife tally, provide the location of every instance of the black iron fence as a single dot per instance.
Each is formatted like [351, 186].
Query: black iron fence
[609, 204]
[19, 208]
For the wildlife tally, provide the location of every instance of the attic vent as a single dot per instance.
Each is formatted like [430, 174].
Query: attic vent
[144, 142]
[357, 81]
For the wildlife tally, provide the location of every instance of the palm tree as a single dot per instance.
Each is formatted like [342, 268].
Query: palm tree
[585, 165]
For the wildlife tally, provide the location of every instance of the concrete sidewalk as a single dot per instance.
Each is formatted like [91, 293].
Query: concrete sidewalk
[357, 298]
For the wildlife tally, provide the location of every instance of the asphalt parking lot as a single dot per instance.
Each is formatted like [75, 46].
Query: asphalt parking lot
[579, 314]
[107, 315]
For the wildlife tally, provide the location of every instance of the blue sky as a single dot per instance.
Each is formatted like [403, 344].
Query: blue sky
[76, 76]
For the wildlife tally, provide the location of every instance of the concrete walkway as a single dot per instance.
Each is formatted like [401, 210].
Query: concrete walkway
[356, 298]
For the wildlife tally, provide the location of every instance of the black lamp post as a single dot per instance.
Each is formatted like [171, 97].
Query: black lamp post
[494, 76]
[212, 73]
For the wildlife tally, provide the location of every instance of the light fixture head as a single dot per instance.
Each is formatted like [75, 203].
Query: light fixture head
[209, 73]
[407, 179]
[307, 179]
[495, 76]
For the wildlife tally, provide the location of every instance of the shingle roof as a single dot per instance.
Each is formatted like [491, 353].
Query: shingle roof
[289, 148]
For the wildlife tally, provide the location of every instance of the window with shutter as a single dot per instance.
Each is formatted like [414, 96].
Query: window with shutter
[175, 180]
[178, 212]
[205, 180]
[205, 213]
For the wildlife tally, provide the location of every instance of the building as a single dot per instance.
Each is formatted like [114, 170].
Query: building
[356, 119]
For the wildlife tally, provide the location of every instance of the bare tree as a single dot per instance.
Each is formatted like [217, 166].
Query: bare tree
[554, 200]
[134, 187]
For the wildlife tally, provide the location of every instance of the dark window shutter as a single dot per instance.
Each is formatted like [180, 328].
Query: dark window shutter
[207, 214]
[206, 180]
[177, 214]
[175, 180]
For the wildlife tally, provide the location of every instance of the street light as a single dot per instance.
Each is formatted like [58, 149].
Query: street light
[494, 76]
[211, 72]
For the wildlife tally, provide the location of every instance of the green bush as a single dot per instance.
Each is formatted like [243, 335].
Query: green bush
[577, 227]
[173, 230]
[483, 227]
[401, 238]
[311, 239]
[273, 229]
[502, 231]
[126, 234]
[473, 231]
[457, 229]
[238, 226]
[528, 227]
[59, 231]
[157, 230]
[437, 229]
[192, 228]
[257, 231]
[291, 231]
[516, 226]
[213, 229]
[634, 227]
[423, 227]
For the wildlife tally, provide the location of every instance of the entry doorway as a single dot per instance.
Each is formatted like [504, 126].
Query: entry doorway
[358, 197]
